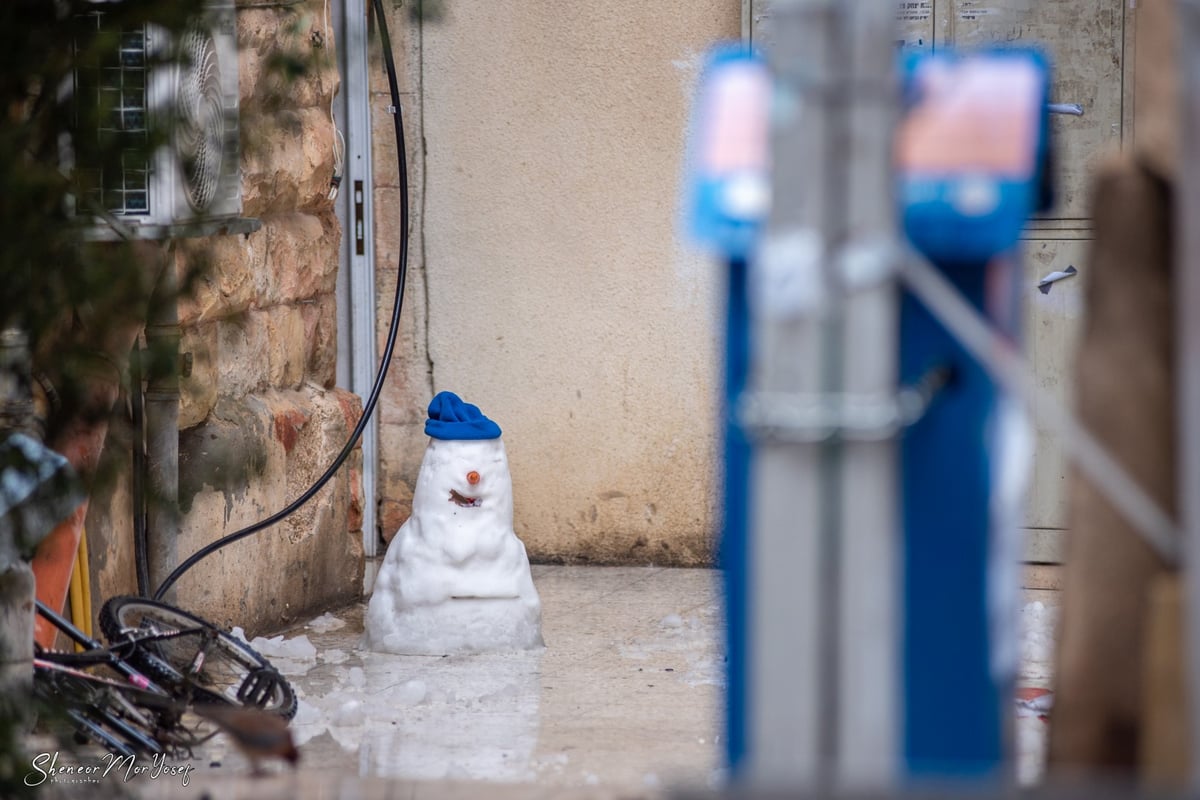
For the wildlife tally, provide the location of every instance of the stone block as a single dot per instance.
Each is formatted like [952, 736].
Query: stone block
[287, 161]
[354, 516]
[216, 277]
[320, 336]
[228, 454]
[286, 346]
[249, 460]
[301, 258]
[198, 391]
[243, 347]
[280, 63]
[385, 162]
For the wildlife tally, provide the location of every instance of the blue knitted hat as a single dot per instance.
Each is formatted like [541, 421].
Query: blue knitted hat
[451, 418]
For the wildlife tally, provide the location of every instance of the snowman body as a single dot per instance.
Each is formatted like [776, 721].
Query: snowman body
[456, 578]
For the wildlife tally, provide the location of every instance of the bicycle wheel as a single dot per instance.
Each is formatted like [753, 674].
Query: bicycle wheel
[194, 656]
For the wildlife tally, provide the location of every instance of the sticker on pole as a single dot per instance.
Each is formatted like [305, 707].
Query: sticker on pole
[971, 152]
[728, 186]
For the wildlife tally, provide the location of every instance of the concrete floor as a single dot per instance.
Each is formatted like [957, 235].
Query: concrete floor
[623, 702]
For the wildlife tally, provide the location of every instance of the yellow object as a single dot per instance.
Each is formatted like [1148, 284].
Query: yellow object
[80, 591]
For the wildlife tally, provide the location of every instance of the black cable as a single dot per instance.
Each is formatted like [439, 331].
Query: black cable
[393, 332]
[141, 559]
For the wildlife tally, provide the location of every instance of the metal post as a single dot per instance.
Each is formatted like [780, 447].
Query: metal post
[822, 675]
[356, 211]
[1187, 345]
[869, 686]
[789, 718]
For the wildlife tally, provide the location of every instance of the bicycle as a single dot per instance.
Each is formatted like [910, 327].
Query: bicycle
[166, 661]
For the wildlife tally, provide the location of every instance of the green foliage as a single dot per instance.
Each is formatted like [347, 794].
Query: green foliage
[80, 303]
[76, 300]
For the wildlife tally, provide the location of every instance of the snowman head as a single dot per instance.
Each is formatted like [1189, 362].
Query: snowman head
[465, 469]
[465, 477]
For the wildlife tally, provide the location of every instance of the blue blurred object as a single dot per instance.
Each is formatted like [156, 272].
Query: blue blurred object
[38, 490]
[972, 165]
[727, 185]
[972, 151]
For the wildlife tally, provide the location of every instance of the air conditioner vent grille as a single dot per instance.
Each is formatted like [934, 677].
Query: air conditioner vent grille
[200, 132]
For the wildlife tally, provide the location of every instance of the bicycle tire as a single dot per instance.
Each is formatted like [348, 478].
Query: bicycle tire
[231, 672]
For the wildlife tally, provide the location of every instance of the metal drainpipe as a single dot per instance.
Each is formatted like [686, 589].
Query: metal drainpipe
[162, 425]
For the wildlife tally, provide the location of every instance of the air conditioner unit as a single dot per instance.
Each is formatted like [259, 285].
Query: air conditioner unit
[183, 89]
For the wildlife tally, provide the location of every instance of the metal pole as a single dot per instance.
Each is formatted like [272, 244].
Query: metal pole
[789, 720]
[1187, 345]
[823, 674]
[358, 212]
[869, 685]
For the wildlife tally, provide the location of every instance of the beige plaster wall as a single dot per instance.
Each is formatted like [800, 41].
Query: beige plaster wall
[559, 295]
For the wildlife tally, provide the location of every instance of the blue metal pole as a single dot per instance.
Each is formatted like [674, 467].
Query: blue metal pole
[954, 701]
[734, 553]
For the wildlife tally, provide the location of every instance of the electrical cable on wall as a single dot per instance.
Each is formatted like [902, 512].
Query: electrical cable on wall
[339, 141]
[389, 347]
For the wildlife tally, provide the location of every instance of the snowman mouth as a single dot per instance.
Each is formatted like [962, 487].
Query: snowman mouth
[463, 501]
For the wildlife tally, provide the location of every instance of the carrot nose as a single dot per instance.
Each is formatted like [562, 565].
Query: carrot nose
[472, 477]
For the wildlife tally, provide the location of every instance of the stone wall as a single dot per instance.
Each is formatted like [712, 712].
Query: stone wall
[260, 417]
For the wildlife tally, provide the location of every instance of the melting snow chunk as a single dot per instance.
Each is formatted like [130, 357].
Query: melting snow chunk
[297, 649]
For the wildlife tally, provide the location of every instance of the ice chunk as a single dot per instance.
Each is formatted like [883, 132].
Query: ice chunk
[334, 656]
[349, 713]
[306, 713]
[298, 648]
[356, 677]
[325, 623]
[411, 693]
[672, 621]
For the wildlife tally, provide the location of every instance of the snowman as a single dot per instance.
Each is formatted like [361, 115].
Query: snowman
[456, 578]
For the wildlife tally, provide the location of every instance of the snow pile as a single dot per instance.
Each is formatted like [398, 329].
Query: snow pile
[456, 578]
[423, 718]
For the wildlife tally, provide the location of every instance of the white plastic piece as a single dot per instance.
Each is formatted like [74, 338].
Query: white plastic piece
[868, 262]
[787, 279]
